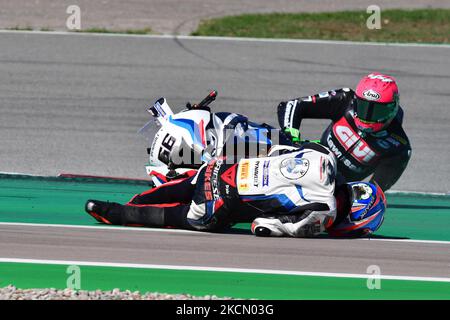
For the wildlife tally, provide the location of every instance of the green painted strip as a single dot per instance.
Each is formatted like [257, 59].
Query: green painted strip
[425, 217]
[53, 200]
[222, 284]
[58, 200]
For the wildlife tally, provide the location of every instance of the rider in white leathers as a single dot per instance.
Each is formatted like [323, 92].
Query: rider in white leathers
[291, 194]
[301, 181]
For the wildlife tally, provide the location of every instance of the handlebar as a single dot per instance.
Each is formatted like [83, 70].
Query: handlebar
[208, 99]
[205, 102]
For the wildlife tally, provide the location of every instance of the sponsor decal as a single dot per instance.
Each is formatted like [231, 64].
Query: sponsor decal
[364, 194]
[243, 175]
[289, 113]
[371, 95]
[340, 156]
[352, 142]
[400, 139]
[384, 144]
[294, 168]
[244, 170]
[256, 174]
[215, 179]
[207, 180]
[291, 103]
[265, 178]
[229, 176]
[380, 134]
[211, 180]
[393, 141]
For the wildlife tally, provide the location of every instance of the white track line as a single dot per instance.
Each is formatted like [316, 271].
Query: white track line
[163, 230]
[241, 39]
[216, 269]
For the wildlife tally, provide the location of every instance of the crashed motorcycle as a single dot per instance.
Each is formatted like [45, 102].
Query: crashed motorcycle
[183, 141]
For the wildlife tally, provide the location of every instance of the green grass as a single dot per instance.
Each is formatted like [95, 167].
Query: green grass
[20, 28]
[421, 25]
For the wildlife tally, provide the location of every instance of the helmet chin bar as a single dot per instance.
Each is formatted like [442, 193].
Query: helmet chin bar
[369, 128]
[373, 115]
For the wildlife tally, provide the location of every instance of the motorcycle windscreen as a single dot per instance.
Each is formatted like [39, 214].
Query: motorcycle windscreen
[160, 112]
[149, 130]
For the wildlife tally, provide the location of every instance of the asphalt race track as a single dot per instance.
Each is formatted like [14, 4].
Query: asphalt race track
[73, 103]
[225, 250]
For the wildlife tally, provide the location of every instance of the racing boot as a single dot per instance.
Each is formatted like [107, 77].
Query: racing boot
[267, 227]
[104, 212]
[284, 225]
[126, 215]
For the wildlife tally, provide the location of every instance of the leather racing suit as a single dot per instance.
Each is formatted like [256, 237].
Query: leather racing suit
[297, 187]
[383, 154]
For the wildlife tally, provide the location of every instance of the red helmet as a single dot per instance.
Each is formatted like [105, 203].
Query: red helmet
[377, 102]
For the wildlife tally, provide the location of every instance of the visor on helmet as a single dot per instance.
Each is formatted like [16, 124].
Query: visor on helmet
[375, 112]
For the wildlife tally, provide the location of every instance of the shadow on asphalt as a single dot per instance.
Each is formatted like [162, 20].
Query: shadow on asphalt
[322, 236]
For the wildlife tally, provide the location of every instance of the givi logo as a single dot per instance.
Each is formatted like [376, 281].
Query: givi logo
[352, 142]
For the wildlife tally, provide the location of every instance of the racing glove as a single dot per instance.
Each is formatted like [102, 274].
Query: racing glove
[293, 134]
